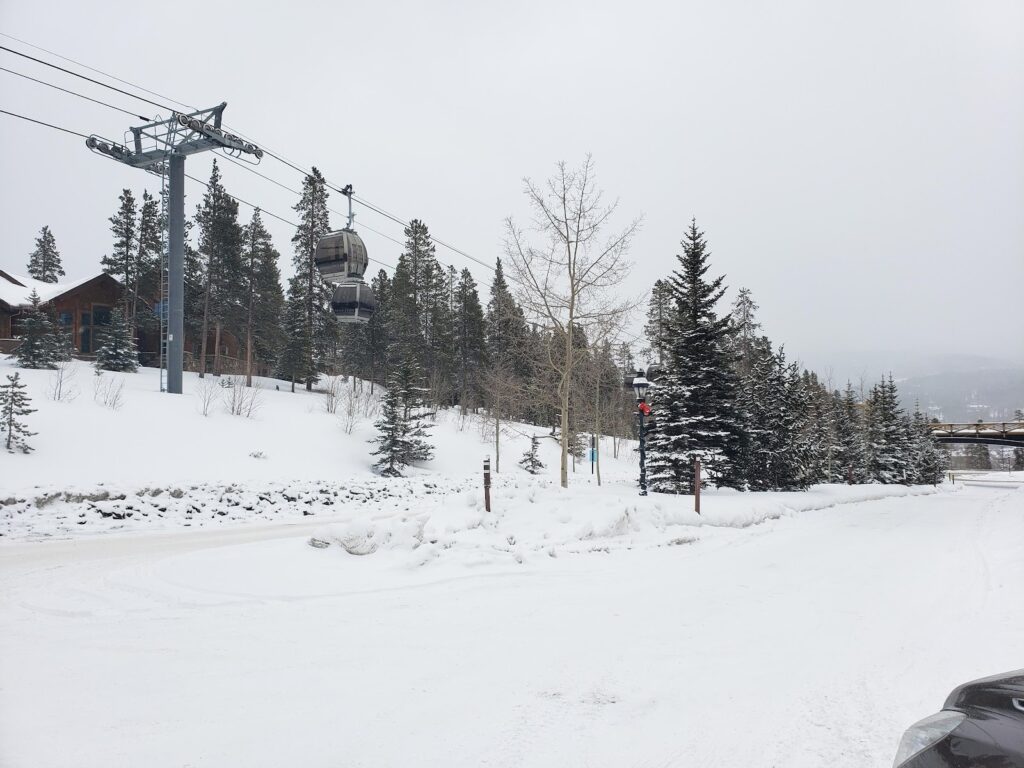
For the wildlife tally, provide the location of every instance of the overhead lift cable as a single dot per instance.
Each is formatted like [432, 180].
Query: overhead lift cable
[280, 158]
[48, 125]
[86, 78]
[97, 71]
[73, 93]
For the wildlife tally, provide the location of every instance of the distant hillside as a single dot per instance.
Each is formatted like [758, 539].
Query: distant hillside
[967, 395]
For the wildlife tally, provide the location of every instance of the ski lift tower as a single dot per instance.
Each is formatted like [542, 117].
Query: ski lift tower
[161, 148]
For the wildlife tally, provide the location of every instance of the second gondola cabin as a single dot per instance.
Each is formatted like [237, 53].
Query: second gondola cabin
[341, 258]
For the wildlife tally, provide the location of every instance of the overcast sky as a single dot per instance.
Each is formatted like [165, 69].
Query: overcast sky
[858, 165]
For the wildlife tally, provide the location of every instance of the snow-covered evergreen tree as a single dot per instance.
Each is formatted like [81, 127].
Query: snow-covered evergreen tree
[850, 460]
[887, 432]
[927, 460]
[392, 435]
[14, 404]
[43, 345]
[401, 431]
[819, 432]
[776, 455]
[44, 262]
[746, 331]
[117, 350]
[693, 397]
[531, 461]
[407, 380]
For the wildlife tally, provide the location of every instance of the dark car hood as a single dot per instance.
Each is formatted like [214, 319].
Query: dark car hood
[991, 693]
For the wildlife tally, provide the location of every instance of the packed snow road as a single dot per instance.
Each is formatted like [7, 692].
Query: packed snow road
[806, 641]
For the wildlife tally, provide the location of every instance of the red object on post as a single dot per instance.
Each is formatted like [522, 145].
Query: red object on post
[645, 409]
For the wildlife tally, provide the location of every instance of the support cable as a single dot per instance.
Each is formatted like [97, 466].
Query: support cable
[280, 158]
[73, 93]
[40, 122]
[84, 77]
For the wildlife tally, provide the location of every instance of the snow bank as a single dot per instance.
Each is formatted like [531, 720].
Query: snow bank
[166, 466]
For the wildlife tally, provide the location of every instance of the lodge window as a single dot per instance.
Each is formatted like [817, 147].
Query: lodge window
[91, 323]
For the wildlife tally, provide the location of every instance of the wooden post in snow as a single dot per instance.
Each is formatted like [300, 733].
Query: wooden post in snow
[487, 483]
[696, 486]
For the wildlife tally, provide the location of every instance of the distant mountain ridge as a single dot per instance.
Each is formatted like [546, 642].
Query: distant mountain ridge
[967, 395]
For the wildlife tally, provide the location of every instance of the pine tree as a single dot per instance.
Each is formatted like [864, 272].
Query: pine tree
[14, 404]
[412, 394]
[978, 457]
[507, 331]
[417, 304]
[657, 331]
[693, 398]
[44, 262]
[746, 328]
[263, 299]
[531, 461]
[470, 342]
[296, 361]
[393, 436]
[122, 262]
[43, 345]
[117, 350]
[927, 460]
[819, 432]
[319, 331]
[773, 401]
[220, 250]
[887, 435]
[378, 330]
[147, 259]
[401, 437]
[850, 461]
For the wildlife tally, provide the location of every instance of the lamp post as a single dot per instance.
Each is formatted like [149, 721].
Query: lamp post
[640, 385]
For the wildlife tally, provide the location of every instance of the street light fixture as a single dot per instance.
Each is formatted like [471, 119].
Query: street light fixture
[640, 385]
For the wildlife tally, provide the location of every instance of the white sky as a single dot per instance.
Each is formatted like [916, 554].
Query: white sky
[859, 166]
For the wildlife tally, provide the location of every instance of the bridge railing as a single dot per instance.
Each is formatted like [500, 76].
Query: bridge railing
[980, 428]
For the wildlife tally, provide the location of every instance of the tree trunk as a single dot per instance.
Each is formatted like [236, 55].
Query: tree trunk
[309, 317]
[248, 356]
[566, 383]
[216, 349]
[597, 427]
[206, 329]
[497, 441]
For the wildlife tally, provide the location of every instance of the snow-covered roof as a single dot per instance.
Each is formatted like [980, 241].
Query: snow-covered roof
[15, 289]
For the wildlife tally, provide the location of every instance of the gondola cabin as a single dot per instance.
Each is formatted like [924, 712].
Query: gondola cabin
[341, 258]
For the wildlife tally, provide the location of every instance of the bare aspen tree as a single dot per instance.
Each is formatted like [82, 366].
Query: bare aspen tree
[567, 279]
[503, 388]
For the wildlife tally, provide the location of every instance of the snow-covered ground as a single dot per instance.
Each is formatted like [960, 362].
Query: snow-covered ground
[809, 640]
[161, 603]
